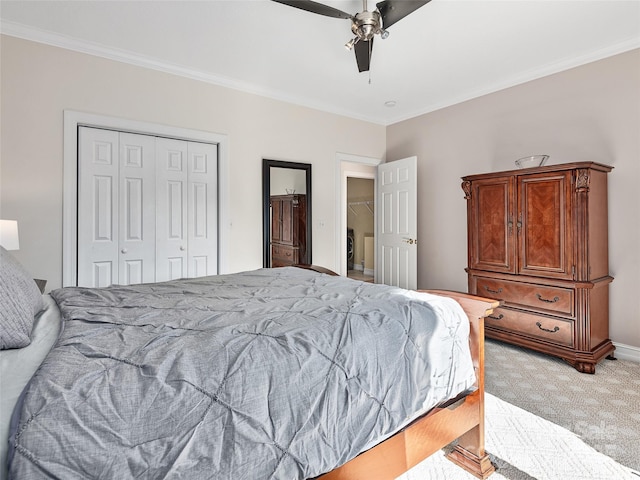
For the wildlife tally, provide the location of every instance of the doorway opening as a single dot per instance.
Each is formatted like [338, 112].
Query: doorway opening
[352, 166]
[360, 249]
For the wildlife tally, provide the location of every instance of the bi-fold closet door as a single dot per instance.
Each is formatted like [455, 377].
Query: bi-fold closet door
[147, 208]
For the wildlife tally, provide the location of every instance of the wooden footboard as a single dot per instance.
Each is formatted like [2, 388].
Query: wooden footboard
[464, 421]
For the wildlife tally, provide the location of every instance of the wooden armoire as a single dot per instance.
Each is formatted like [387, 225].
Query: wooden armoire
[288, 230]
[537, 241]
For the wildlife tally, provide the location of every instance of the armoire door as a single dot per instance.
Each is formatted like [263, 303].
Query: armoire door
[544, 225]
[276, 220]
[492, 225]
[116, 211]
[288, 219]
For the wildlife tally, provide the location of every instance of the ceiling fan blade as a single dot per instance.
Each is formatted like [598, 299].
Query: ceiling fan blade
[315, 7]
[392, 11]
[363, 51]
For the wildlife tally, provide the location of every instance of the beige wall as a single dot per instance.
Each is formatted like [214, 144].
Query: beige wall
[588, 113]
[39, 82]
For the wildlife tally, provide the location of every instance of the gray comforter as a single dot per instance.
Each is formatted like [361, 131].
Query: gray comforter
[276, 374]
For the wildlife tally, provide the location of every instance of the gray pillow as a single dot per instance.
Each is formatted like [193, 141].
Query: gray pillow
[20, 302]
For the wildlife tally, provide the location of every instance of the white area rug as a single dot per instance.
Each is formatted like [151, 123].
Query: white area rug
[524, 446]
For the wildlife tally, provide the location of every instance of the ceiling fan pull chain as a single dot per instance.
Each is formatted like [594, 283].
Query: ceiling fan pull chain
[370, 52]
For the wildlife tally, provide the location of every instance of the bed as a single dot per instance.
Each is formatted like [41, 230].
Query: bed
[260, 374]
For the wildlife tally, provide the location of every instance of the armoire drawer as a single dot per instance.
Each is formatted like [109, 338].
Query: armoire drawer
[543, 298]
[552, 329]
[282, 255]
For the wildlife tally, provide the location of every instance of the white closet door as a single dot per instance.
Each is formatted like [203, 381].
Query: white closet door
[202, 207]
[97, 207]
[147, 208]
[171, 209]
[137, 209]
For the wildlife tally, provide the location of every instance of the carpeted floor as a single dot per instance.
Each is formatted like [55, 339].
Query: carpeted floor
[524, 446]
[546, 421]
[602, 409]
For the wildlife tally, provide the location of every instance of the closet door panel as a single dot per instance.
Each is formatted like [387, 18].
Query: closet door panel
[202, 181]
[171, 209]
[137, 209]
[147, 208]
[98, 190]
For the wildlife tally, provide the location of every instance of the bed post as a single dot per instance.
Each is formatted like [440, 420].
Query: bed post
[469, 453]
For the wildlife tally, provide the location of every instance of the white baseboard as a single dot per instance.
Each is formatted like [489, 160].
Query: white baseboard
[627, 352]
[358, 267]
[369, 272]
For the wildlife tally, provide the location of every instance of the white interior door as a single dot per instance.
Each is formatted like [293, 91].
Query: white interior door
[202, 208]
[98, 191]
[137, 209]
[114, 203]
[171, 223]
[397, 224]
[116, 211]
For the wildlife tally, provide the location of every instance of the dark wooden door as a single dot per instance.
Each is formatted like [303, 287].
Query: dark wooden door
[276, 220]
[544, 225]
[492, 225]
[287, 221]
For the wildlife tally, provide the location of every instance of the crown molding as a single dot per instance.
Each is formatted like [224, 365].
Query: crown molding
[26, 32]
[63, 41]
[534, 74]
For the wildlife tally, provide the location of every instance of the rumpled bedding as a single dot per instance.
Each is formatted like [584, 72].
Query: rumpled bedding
[271, 374]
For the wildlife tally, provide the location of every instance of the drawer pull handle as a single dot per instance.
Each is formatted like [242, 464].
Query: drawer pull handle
[555, 329]
[499, 317]
[555, 299]
[493, 291]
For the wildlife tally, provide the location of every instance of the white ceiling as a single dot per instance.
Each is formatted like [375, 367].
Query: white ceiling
[446, 52]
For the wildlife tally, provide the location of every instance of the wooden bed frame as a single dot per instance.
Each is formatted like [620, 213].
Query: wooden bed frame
[463, 420]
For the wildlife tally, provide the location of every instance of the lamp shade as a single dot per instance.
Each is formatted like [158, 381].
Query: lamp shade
[9, 234]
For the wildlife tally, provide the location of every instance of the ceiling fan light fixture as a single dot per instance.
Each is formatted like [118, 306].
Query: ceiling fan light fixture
[364, 25]
[349, 45]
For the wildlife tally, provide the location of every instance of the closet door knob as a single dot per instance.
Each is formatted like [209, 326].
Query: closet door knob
[124, 250]
[181, 248]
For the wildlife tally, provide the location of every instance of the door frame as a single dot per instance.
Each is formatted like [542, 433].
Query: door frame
[72, 120]
[343, 161]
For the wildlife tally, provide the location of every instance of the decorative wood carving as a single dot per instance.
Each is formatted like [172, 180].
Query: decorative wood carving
[582, 180]
[466, 186]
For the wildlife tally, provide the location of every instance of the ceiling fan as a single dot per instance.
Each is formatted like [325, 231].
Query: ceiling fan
[365, 25]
